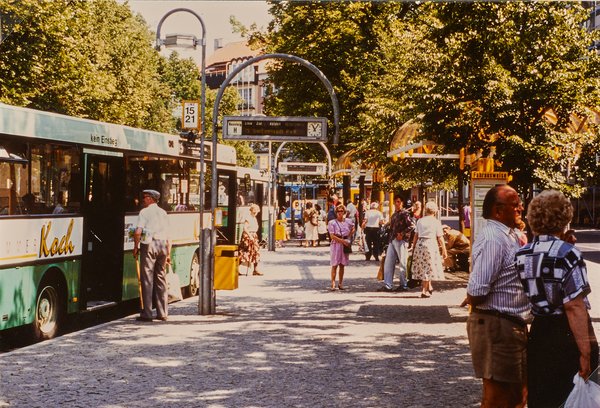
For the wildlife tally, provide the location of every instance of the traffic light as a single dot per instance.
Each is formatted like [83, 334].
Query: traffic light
[189, 136]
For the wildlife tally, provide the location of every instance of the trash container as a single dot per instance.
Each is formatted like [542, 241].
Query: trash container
[280, 230]
[226, 267]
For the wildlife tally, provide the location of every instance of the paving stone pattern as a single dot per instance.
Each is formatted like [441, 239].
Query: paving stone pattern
[280, 340]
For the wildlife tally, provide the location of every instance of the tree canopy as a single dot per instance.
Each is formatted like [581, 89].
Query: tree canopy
[96, 59]
[483, 76]
[88, 59]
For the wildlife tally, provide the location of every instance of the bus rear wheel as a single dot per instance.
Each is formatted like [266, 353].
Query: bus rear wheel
[192, 289]
[48, 312]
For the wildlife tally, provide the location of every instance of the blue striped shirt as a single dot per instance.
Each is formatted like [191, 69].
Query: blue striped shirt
[494, 274]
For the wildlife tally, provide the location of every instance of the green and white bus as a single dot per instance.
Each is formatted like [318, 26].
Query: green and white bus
[69, 195]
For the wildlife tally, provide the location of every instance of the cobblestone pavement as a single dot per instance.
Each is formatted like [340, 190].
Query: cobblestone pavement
[280, 340]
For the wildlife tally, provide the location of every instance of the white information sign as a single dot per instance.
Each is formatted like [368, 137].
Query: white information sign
[481, 183]
[190, 115]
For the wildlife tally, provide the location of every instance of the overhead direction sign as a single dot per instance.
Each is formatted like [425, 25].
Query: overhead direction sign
[313, 169]
[275, 128]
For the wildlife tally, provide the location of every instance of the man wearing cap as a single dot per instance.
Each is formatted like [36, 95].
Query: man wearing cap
[155, 249]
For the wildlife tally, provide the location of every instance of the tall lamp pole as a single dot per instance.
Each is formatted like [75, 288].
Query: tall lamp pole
[190, 41]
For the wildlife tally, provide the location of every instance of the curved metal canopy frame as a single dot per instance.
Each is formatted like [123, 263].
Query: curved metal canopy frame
[230, 77]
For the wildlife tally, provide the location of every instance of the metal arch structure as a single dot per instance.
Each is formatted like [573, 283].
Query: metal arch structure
[274, 178]
[214, 183]
[203, 303]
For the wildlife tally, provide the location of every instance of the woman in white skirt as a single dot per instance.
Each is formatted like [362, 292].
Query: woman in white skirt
[427, 242]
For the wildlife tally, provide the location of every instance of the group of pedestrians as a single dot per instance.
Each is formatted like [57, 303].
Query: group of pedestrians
[425, 236]
[509, 284]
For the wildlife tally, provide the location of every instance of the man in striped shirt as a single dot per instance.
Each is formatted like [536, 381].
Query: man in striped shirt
[496, 326]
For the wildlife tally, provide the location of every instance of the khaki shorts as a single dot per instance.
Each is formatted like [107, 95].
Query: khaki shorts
[498, 348]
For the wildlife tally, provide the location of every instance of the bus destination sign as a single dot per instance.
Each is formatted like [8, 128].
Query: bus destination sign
[275, 128]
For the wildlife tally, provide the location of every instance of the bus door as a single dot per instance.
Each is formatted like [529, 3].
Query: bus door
[104, 211]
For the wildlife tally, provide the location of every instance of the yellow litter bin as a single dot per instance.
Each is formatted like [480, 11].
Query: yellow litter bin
[226, 267]
[280, 230]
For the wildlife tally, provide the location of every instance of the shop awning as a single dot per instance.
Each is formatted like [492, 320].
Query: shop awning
[408, 142]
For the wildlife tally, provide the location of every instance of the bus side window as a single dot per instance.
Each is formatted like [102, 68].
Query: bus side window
[13, 184]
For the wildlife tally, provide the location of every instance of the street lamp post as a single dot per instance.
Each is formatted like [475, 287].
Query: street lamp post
[190, 41]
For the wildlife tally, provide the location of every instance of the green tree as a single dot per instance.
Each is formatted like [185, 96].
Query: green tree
[483, 76]
[339, 38]
[88, 59]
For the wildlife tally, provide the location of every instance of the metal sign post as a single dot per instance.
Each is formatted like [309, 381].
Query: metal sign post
[231, 75]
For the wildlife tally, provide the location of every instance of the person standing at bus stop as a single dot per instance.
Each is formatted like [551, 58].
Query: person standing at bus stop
[155, 249]
[497, 324]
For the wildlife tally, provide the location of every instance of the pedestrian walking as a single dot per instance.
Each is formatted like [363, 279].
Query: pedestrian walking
[151, 242]
[554, 275]
[283, 222]
[311, 223]
[401, 227]
[428, 239]
[340, 231]
[249, 247]
[416, 210]
[496, 326]
[371, 225]
[321, 224]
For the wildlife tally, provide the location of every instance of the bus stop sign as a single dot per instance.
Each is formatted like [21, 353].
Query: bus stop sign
[275, 128]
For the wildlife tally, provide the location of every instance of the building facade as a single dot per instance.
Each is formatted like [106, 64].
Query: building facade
[250, 83]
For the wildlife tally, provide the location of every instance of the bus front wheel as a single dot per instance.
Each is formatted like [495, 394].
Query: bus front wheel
[48, 312]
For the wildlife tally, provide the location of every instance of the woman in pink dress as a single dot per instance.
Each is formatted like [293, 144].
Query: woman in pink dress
[341, 230]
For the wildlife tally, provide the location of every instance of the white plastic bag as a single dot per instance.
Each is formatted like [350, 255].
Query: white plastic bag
[173, 285]
[584, 394]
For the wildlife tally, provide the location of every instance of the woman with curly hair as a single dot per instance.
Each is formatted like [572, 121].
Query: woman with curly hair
[553, 272]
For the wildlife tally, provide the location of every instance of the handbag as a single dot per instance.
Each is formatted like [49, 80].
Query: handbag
[347, 249]
[584, 394]
[173, 286]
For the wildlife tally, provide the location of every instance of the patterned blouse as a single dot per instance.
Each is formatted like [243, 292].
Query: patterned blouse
[553, 273]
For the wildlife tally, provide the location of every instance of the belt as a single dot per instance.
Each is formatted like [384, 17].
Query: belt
[492, 312]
